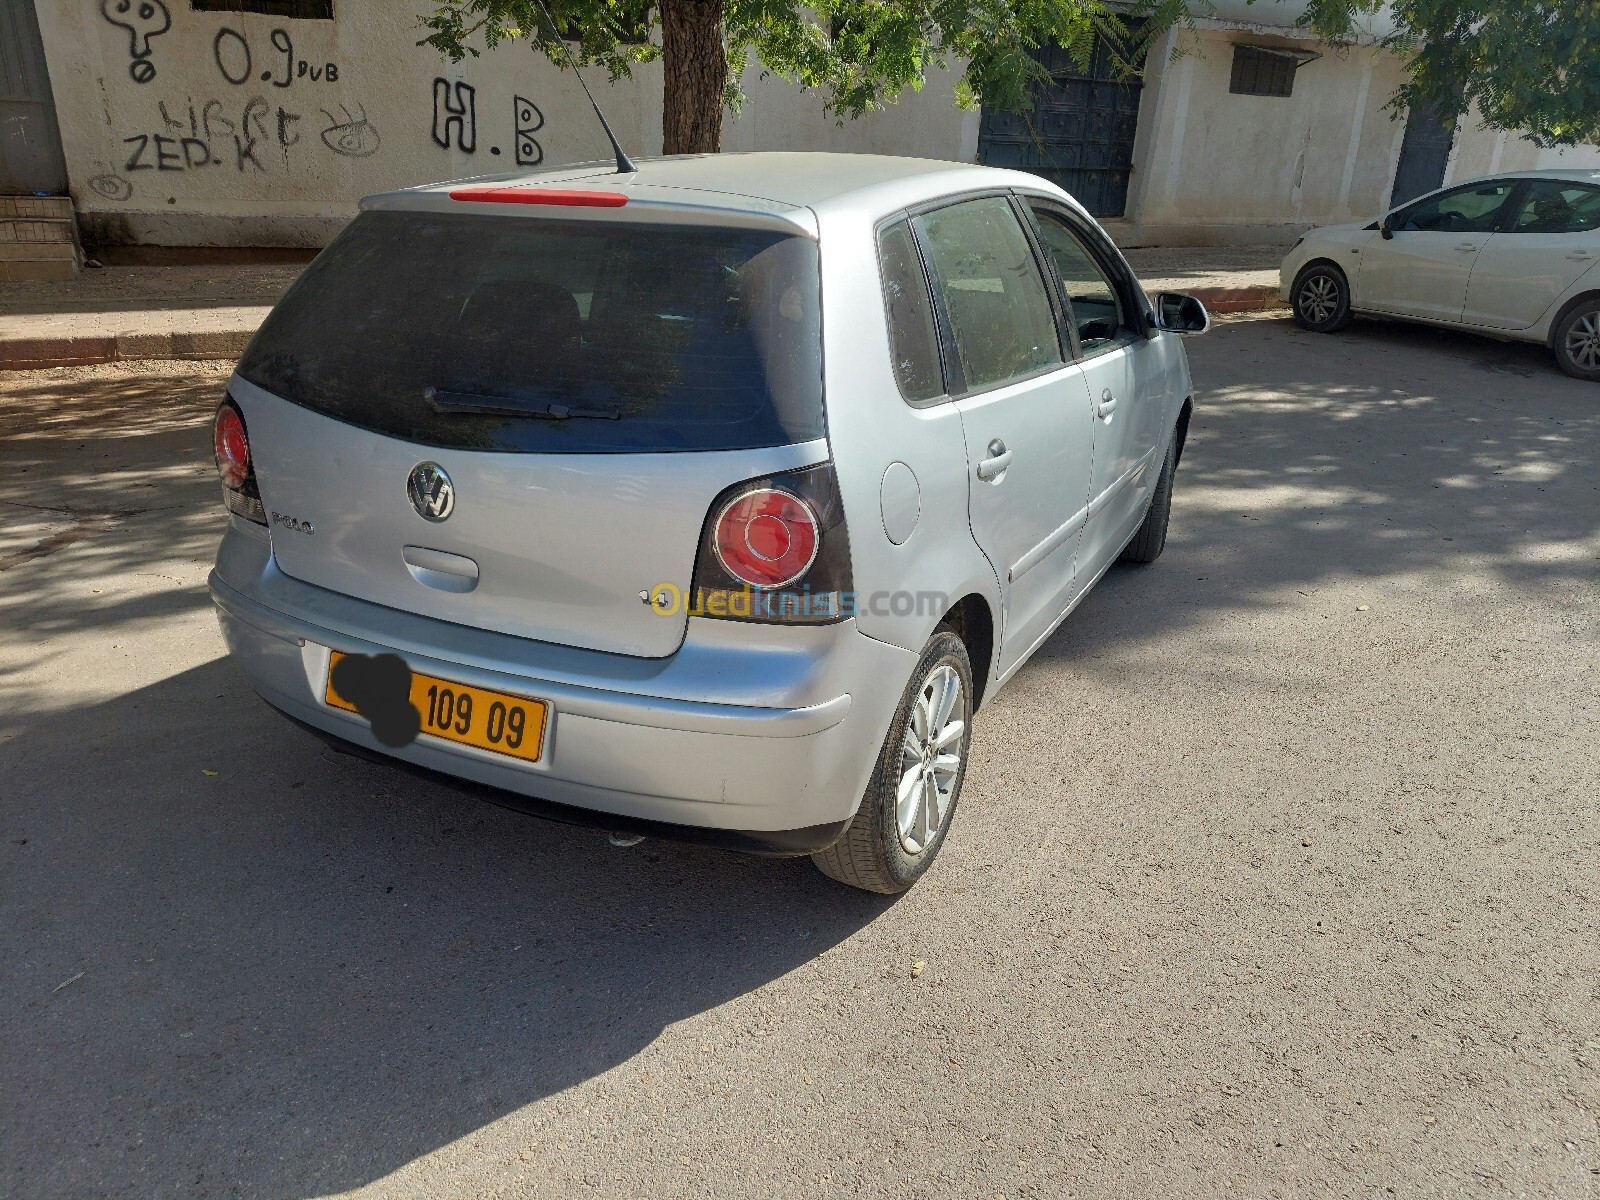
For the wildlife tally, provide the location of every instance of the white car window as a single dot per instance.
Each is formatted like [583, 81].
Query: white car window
[1555, 206]
[1471, 209]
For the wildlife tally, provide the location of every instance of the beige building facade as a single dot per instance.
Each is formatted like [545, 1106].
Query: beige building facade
[190, 123]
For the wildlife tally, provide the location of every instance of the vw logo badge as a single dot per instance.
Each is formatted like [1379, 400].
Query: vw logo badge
[432, 494]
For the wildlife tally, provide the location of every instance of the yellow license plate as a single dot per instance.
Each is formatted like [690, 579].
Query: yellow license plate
[472, 716]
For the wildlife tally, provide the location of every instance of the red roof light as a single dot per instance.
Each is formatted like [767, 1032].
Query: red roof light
[529, 195]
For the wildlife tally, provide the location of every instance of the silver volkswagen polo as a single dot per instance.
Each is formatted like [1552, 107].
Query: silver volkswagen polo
[708, 500]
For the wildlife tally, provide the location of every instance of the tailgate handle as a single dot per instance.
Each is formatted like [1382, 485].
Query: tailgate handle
[438, 569]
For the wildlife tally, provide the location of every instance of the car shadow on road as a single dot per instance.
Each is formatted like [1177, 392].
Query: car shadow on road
[239, 964]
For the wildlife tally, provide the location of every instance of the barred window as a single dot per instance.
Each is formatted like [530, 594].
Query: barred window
[1261, 72]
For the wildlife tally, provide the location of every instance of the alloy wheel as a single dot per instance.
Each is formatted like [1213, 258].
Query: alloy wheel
[930, 759]
[1583, 341]
[1319, 298]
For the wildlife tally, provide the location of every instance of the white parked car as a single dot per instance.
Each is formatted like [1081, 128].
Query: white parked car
[1513, 256]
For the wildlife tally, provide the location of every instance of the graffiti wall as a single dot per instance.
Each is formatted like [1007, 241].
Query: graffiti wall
[189, 122]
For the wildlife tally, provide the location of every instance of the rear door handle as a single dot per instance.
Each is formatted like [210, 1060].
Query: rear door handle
[1107, 405]
[1467, 248]
[1580, 255]
[991, 468]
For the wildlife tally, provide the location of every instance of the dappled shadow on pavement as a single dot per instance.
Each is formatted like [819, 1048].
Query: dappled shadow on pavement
[108, 495]
[1387, 453]
[296, 975]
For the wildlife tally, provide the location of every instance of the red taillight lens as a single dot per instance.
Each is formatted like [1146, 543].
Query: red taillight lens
[767, 538]
[775, 549]
[232, 447]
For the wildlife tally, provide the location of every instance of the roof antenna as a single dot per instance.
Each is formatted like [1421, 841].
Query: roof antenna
[624, 163]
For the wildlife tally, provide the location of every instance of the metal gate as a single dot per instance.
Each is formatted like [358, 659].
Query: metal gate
[1079, 133]
[30, 143]
[1424, 154]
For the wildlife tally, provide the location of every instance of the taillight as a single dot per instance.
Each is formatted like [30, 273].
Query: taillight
[231, 444]
[232, 447]
[775, 549]
[766, 537]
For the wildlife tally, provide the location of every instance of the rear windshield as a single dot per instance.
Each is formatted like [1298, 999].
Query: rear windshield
[527, 334]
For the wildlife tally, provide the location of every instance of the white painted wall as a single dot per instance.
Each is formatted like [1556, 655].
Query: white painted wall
[1214, 167]
[181, 144]
[1480, 151]
[1264, 166]
[233, 139]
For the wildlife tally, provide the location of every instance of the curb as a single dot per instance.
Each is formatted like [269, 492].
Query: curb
[1234, 300]
[29, 354]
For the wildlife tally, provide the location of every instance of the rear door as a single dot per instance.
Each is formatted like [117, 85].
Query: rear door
[1024, 409]
[1550, 238]
[1423, 270]
[520, 424]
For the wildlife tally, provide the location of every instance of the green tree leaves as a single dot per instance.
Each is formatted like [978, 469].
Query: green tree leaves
[1528, 65]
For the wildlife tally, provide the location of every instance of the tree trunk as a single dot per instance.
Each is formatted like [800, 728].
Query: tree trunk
[696, 69]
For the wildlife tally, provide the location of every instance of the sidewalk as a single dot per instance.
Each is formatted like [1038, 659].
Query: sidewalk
[137, 312]
[1227, 279]
[211, 311]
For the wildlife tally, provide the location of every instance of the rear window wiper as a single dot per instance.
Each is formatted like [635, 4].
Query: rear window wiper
[475, 402]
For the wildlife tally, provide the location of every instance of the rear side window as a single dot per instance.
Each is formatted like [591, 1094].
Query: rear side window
[1555, 206]
[913, 344]
[526, 334]
[1000, 315]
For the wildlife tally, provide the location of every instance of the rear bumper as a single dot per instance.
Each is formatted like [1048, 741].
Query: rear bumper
[751, 737]
[776, 843]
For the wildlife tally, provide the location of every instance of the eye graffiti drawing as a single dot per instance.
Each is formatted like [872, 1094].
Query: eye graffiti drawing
[143, 19]
[354, 137]
[111, 185]
[529, 120]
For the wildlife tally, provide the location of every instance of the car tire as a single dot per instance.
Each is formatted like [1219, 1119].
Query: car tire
[896, 833]
[1320, 298]
[1577, 340]
[1151, 538]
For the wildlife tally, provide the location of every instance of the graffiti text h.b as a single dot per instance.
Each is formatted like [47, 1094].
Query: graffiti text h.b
[455, 115]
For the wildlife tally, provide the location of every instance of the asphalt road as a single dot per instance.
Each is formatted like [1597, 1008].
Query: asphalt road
[1275, 874]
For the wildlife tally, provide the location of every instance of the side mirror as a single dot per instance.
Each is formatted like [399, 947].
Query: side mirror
[1181, 314]
[1386, 227]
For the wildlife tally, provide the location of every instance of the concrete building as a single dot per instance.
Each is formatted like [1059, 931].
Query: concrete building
[261, 122]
